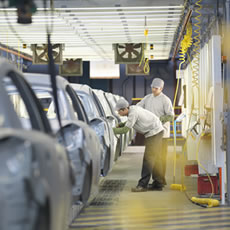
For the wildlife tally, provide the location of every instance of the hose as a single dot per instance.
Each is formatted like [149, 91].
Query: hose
[145, 61]
[185, 44]
[196, 55]
[195, 85]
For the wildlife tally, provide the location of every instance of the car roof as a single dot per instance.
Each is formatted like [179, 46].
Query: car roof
[39, 79]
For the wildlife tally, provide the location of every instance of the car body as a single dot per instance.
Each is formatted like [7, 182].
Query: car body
[112, 102]
[81, 142]
[35, 182]
[99, 123]
[114, 120]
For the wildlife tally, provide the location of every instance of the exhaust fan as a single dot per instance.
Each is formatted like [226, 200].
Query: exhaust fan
[40, 53]
[128, 53]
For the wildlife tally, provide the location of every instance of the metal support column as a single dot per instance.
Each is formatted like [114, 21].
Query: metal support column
[134, 86]
[227, 32]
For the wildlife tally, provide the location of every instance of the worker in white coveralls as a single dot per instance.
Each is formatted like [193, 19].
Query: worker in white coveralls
[148, 124]
[160, 105]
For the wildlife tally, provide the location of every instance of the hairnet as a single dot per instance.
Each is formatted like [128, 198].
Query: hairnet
[121, 104]
[157, 83]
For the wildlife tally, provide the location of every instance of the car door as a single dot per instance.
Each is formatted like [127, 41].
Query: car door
[49, 162]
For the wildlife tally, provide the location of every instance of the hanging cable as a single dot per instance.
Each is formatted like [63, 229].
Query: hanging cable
[18, 58]
[204, 202]
[196, 55]
[53, 82]
[145, 61]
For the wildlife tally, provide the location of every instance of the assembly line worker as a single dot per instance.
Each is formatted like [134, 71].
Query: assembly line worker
[160, 105]
[146, 123]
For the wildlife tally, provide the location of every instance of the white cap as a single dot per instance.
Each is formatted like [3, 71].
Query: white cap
[157, 83]
[121, 104]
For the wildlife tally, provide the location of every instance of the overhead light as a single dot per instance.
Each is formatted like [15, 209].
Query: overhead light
[120, 17]
[77, 13]
[169, 25]
[35, 23]
[120, 8]
[102, 35]
[128, 20]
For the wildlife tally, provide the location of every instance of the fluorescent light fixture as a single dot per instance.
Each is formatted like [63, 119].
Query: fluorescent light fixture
[146, 12]
[127, 20]
[132, 29]
[123, 16]
[120, 8]
[104, 36]
[33, 24]
[37, 34]
[13, 20]
[34, 17]
[172, 25]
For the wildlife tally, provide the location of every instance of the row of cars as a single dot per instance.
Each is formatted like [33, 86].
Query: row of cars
[47, 167]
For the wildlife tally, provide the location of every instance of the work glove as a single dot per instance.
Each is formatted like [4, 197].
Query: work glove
[166, 118]
[120, 125]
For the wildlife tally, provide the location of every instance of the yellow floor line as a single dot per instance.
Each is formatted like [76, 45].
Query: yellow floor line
[147, 216]
[196, 225]
[115, 211]
[98, 209]
[142, 225]
[128, 221]
[196, 222]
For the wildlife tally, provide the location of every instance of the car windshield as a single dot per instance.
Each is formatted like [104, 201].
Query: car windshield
[111, 99]
[104, 103]
[16, 99]
[18, 103]
[46, 99]
[89, 105]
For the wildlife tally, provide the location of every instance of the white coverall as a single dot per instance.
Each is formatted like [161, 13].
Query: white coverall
[159, 105]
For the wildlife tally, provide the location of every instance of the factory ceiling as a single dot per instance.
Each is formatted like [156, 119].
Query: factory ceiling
[89, 28]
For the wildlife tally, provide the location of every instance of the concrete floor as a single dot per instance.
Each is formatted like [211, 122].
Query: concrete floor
[116, 207]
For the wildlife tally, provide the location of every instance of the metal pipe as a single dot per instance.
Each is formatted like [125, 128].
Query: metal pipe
[145, 86]
[227, 31]
[16, 53]
[134, 86]
[110, 85]
[52, 4]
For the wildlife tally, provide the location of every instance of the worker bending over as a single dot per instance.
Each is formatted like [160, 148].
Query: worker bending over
[160, 105]
[150, 126]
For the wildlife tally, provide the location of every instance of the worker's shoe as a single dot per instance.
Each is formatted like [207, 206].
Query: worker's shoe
[139, 189]
[155, 186]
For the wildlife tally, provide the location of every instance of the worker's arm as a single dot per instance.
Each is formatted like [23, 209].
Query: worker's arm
[168, 111]
[122, 130]
[132, 118]
[168, 108]
[166, 118]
